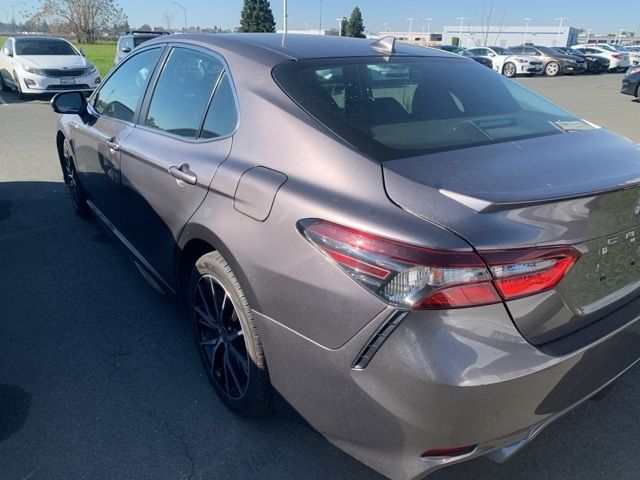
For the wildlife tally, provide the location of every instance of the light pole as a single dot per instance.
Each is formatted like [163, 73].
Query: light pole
[620, 36]
[428, 20]
[339, 26]
[13, 12]
[526, 29]
[410, 20]
[560, 19]
[184, 10]
[386, 27]
[285, 18]
[588, 30]
[320, 24]
[462, 19]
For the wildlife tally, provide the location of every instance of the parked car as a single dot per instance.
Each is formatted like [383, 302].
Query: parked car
[631, 81]
[428, 267]
[451, 49]
[595, 63]
[481, 60]
[553, 63]
[130, 40]
[634, 57]
[37, 64]
[618, 61]
[505, 62]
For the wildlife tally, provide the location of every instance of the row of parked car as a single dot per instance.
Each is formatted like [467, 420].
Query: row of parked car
[529, 59]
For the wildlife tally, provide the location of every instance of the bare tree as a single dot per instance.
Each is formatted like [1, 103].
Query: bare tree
[85, 19]
[489, 24]
[167, 20]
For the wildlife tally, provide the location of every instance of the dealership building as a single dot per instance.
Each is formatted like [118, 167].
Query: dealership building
[505, 36]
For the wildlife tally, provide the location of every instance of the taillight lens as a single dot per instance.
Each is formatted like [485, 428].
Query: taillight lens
[616, 55]
[409, 276]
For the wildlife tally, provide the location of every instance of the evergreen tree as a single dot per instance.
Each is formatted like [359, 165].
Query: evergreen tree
[256, 16]
[355, 26]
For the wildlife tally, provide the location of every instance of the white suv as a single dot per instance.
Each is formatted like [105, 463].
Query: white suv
[36, 64]
[506, 62]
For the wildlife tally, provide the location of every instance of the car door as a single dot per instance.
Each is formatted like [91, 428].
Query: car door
[172, 155]
[97, 137]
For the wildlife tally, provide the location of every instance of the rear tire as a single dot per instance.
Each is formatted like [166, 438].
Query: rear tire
[509, 70]
[227, 338]
[70, 175]
[552, 69]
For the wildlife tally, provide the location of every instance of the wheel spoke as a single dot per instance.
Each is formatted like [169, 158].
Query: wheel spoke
[241, 359]
[233, 373]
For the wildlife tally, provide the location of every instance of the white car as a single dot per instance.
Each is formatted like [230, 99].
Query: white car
[506, 62]
[634, 56]
[619, 61]
[36, 64]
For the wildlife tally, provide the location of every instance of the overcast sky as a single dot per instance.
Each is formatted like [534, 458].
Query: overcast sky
[601, 16]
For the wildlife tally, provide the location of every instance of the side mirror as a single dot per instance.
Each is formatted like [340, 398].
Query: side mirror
[69, 102]
[126, 49]
[7, 52]
[82, 53]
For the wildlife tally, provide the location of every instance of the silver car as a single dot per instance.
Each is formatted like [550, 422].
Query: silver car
[427, 261]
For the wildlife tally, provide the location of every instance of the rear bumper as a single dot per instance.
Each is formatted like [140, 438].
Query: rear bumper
[440, 380]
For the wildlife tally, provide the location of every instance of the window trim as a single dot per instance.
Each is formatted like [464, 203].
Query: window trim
[90, 101]
[151, 89]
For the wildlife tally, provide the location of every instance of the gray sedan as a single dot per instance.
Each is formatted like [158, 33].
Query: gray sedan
[427, 261]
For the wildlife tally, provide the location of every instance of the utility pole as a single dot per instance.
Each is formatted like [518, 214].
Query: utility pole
[410, 20]
[339, 26]
[386, 27]
[184, 10]
[428, 20]
[560, 19]
[320, 25]
[588, 35]
[285, 17]
[526, 29]
[462, 19]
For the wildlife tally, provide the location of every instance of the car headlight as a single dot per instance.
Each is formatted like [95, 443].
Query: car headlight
[521, 60]
[33, 70]
[90, 70]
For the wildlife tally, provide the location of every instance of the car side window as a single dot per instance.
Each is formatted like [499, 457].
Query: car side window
[8, 44]
[119, 95]
[183, 91]
[222, 115]
[127, 42]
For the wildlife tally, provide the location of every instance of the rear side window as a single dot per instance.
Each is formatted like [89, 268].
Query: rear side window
[182, 93]
[410, 106]
[222, 115]
[119, 95]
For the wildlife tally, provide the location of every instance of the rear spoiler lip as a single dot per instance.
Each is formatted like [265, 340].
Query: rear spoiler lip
[484, 206]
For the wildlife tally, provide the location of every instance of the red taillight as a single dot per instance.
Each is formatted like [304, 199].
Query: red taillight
[422, 278]
[449, 452]
[616, 55]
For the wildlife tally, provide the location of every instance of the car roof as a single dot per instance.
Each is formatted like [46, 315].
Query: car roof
[296, 46]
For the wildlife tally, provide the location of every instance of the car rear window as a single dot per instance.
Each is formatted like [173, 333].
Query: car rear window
[398, 107]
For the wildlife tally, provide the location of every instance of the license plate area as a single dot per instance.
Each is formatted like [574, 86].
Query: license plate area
[67, 81]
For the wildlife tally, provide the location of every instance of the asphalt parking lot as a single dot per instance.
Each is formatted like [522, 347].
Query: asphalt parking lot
[99, 377]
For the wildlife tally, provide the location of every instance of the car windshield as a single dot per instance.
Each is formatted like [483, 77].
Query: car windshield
[140, 39]
[407, 106]
[547, 50]
[501, 51]
[39, 46]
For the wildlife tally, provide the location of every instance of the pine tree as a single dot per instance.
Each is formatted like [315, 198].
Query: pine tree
[355, 26]
[343, 26]
[256, 16]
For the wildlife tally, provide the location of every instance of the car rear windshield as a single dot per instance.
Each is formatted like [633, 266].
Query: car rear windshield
[34, 46]
[406, 106]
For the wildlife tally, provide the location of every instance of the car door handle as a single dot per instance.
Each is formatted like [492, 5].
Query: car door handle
[112, 144]
[183, 173]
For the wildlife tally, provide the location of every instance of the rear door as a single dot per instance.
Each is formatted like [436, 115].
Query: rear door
[183, 134]
[97, 138]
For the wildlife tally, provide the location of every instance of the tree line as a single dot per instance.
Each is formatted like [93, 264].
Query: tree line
[88, 20]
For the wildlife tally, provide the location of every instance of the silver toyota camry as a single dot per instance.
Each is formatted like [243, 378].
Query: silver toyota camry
[427, 261]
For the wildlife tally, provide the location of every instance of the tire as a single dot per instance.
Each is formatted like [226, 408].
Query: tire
[509, 70]
[3, 86]
[70, 175]
[227, 338]
[552, 69]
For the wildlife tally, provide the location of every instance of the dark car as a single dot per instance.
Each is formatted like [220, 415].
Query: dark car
[631, 81]
[553, 63]
[595, 64]
[487, 62]
[423, 259]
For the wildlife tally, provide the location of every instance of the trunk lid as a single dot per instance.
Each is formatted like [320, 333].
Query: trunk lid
[580, 189]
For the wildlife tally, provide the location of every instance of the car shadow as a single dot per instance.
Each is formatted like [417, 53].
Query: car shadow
[12, 97]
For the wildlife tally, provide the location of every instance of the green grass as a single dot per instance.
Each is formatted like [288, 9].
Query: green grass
[100, 54]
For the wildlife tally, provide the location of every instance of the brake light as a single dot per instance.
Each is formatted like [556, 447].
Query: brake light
[616, 55]
[410, 276]
[449, 452]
